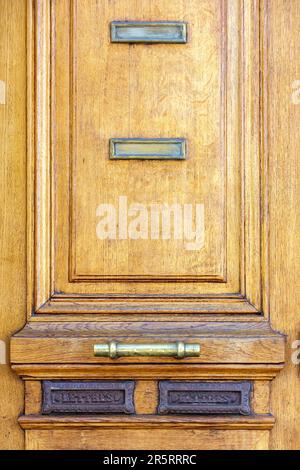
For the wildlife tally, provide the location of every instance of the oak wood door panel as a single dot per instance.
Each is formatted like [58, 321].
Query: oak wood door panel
[148, 180]
[138, 91]
[205, 92]
[282, 146]
[13, 210]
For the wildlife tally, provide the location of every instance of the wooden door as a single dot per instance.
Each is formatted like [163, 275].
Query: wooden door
[148, 266]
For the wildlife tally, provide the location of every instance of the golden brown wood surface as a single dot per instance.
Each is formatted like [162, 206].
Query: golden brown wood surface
[72, 114]
[230, 271]
[145, 439]
[13, 208]
[261, 399]
[251, 350]
[141, 91]
[147, 421]
[146, 397]
[33, 396]
[149, 371]
[284, 150]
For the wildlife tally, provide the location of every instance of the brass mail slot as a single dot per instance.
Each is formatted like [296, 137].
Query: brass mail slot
[147, 149]
[149, 32]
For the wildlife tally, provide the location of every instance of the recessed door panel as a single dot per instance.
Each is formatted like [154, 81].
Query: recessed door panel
[149, 179]
[162, 215]
[126, 218]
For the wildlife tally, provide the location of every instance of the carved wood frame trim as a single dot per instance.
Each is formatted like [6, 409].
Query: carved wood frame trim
[253, 298]
[74, 276]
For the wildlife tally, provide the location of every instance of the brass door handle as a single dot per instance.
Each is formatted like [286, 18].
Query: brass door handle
[178, 350]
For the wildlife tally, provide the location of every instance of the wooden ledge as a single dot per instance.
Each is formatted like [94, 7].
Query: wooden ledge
[221, 342]
[147, 421]
[148, 371]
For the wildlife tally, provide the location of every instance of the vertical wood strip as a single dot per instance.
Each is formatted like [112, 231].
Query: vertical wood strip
[33, 396]
[251, 150]
[284, 138]
[261, 397]
[12, 211]
[146, 397]
[42, 152]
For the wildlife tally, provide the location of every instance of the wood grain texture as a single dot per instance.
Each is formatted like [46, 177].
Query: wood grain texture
[145, 440]
[284, 138]
[147, 421]
[13, 208]
[148, 371]
[261, 396]
[139, 92]
[233, 258]
[123, 307]
[276, 154]
[33, 397]
[146, 397]
[40, 166]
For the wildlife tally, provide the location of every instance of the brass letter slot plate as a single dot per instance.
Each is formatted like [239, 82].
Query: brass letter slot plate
[178, 349]
[147, 149]
[208, 398]
[149, 32]
[88, 397]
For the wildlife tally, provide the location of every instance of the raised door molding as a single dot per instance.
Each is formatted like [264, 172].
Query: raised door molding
[240, 286]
